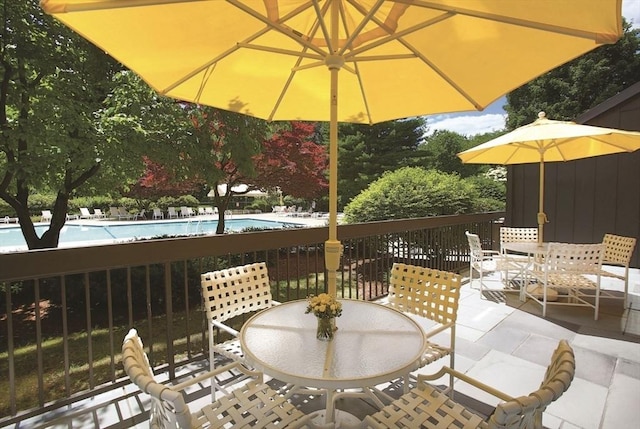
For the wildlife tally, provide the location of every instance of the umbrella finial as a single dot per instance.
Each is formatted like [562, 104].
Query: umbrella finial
[542, 115]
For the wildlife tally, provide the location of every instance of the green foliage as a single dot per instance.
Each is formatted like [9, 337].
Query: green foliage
[412, 192]
[569, 90]
[492, 194]
[442, 148]
[366, 152]
[184, 200]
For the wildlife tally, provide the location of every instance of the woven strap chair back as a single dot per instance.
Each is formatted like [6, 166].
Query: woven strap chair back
[425, 292]
[618, 249]
[234, 291]
[518, 235]
[526, 411]
[575, 258]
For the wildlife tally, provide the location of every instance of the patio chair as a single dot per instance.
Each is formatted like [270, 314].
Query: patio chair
[569, 270]
[114, 212]
[85, 213]
[229, 293]
[209, 211]
[433, 295]
[157, 213]
[172, 213]
[617, 252]
[486, 261]
[46, 216]
[253, 404]
[517, 235]
[201, 211]
[426, 406]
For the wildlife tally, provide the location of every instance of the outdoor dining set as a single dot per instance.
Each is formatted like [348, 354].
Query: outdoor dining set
[373, 343]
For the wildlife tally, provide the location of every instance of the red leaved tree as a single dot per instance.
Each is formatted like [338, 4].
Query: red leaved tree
[292, 161]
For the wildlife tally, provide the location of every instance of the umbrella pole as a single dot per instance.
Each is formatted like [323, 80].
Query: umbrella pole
[542, 217]
[332, 247]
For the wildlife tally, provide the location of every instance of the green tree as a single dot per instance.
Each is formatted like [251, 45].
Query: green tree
[69, 117]
[569, 90]
[368, 151]
[412, 192]
[442, 147]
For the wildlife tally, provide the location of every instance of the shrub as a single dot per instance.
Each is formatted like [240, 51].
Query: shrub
[412, 192]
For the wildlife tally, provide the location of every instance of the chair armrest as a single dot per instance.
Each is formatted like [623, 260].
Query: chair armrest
[224, 327]
[438, 328]
[257, 375]
[424, 378]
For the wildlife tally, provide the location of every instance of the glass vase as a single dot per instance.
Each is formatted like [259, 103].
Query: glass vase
[326, 328]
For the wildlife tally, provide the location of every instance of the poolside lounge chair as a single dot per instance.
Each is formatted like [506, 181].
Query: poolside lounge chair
[97, 214]
[46, 216]
[201, 211]
[157, 213]
[210, 210]
[140, 215]
[172, 213]
[124, 214]
[85, 213]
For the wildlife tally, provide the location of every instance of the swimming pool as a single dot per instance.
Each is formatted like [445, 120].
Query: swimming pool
[12, 238]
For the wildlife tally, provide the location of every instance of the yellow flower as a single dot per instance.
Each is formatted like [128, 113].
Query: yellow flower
[324, 305]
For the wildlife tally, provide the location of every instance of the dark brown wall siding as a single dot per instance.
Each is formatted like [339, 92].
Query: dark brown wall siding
[587, 198]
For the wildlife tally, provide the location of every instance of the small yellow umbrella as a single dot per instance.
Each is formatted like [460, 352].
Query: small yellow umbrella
[546, 140]
[363, 61]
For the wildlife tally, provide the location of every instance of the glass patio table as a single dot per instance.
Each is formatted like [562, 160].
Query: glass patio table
[373, 344]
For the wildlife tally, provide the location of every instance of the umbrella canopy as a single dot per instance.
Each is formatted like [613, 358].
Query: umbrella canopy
[546, 140]
[280, 59]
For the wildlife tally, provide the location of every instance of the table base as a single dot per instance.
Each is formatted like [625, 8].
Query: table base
[343, 420]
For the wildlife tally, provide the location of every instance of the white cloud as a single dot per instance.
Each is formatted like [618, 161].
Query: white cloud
[631, 12]
[467, 125]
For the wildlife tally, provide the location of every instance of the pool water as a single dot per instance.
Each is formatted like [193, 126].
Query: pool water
[12, 236]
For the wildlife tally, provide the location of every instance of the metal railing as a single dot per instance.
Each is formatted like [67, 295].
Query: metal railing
[64, 312]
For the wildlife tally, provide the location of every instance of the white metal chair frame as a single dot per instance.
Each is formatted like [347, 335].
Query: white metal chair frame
[427, 407]
[431, 294]
[569, 268]
[253, 404]
[229, 293]
[483, 261]
[520, 262]
[618, 251]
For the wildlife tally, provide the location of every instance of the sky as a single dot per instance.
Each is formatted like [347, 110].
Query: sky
[493, 117]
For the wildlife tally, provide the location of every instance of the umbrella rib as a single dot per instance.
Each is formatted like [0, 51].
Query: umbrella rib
[589, 35]
[277, 25]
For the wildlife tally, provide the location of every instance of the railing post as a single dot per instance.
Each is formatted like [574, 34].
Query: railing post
[169, 309]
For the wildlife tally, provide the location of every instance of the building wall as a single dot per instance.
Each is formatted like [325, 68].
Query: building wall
[587, 198]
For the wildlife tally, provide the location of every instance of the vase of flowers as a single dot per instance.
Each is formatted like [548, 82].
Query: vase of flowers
[326, 308]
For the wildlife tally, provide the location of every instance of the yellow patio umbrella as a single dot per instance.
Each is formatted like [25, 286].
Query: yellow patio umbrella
[363, 61]
[546, 140]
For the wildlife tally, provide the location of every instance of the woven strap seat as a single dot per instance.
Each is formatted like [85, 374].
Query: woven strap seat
[618, 252]
[427, 407]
